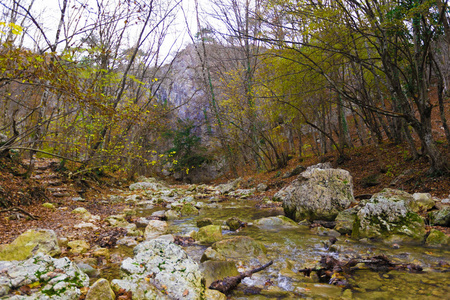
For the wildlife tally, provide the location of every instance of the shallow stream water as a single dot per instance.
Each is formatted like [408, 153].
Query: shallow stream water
[293, 248]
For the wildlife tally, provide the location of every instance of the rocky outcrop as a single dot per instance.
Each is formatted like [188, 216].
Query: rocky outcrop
[161, 270]
[47, 278]
[317, 194]
[387, 215]
[30, 243]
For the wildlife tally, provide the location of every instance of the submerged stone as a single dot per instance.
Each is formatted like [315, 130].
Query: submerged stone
[217, 270]
[276, 221]
[209, 234]
[242, 248]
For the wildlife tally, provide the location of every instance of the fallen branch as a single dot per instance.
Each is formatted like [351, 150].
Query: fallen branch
[19, 210]
[331, 268]
[229, 283]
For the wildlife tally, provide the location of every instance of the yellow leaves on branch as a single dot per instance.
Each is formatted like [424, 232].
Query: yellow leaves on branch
[14, 28]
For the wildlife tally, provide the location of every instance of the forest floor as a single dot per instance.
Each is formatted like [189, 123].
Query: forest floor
[373, 168]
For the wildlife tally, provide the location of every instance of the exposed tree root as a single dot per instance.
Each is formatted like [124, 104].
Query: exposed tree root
[18, 209]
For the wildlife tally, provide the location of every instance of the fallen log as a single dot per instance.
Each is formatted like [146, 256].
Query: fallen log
[228, 284]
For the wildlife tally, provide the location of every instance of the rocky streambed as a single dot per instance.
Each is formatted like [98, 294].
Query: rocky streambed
[175, 241]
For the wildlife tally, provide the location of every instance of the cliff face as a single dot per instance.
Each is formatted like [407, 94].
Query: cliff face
[182, 85]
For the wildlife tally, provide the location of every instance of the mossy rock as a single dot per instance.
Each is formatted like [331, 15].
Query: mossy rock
[204, 222]
[387, 214]
[234, 223]
[78, 246]
[209, 234]
[276, 221]
[345, 220]
[101, 289]
[440, 217]
[188, 209]
[30, 243]
[217, 270]
[437, 238]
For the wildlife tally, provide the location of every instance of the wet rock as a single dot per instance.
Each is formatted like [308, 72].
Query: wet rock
[345, 219]
[209, 234]
[100, 290]
[234, 223]
[155, 228]
[161, 270]
[437, 238]
[129, 212]
[322, 231]
[242, 248]
[204, 222]
[440, 217]
[317, 194]
[159, 214]
[276, 221]
[60, 278]
[78, 246]
[142, 222]
[214, 295]
[211, 254]
[217, 270]
[30, 243]
[387, 214]
[188, 210]
[172, 214]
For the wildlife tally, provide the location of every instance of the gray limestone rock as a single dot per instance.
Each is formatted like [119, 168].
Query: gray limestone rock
[317, 194]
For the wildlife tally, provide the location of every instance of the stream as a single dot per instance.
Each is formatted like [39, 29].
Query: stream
[293, 248]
